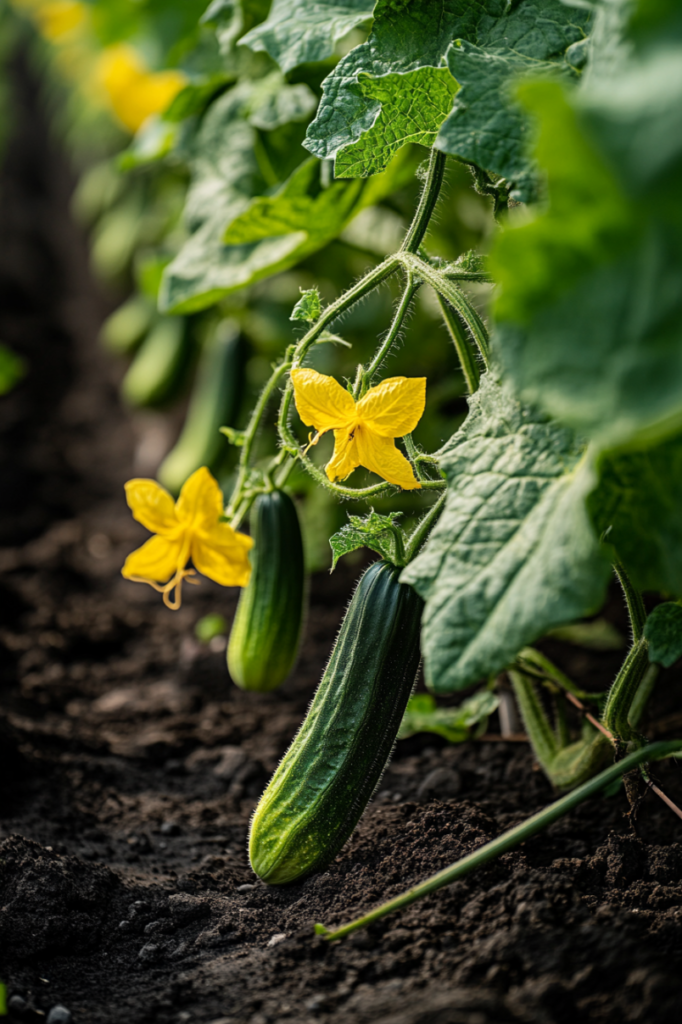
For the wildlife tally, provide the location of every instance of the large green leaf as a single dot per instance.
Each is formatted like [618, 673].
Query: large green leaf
[409, 41]
[299, 31]
[514, 553]
[638, 504]
[589, 310]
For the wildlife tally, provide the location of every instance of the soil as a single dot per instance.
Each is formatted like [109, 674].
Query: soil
[130, 764]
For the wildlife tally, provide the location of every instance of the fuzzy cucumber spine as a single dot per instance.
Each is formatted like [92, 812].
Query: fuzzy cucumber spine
[214, 403]
[266, 630]
[325, 780]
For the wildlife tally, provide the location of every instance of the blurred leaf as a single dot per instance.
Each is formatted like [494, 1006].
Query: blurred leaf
[455, 724]
[514, 553]
[376, 532]
[12, 369]
[597, 635]
[301, 31]
[663, 630]
[210, 626]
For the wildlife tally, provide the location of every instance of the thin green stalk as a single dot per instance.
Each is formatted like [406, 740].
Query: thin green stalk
[427, 202]
[413, 456]
[622, 693]
[452, 294]
[509, 840]
[540, 732]
[463, 347]
[534, 661]
[409, 292]
[641, 698]
[423, 528]
[634, 601]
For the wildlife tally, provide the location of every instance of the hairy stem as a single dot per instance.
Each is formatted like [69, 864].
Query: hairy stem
[624, 689]
[427, 202]
[633, 599]
[540, 732]
[423, 528]
[463, 347]
[411, 288]
[509, 840]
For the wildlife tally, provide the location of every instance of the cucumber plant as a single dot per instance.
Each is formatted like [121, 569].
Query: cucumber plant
[567, 466]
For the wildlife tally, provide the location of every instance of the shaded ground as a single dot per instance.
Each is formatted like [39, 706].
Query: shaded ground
[129, 764]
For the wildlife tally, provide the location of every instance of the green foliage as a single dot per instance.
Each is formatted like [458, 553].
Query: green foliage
[376, 532]
[210, 626]
[663, 630]
[513, 554]
[394, 88]
[308, 307]
[300, 31]
[12, 369]
[468, 720]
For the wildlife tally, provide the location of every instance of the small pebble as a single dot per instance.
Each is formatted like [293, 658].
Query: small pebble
[245, 888]
[148, 952]
[276, 939]
[170, 828]
[17, 1003]
[59, 1015]
[441, 782]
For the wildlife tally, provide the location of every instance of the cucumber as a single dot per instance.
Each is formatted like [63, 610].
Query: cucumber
[215, 402]
[160, 364]
[325, 780]
[267, 627]
[126, 327]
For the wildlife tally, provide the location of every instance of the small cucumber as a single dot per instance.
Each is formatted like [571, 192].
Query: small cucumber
[325, 780]
[215, 399]
[267, 627]
[126, 327]
[159, 366]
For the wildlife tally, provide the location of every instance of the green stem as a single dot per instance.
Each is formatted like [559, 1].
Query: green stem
[534, 661]
[540, 732]
[463, 347]
[624, 689]
[452, 294]
[641, 698]
[413, 456]
[427, 202]
[409, 292]
[423, 528]
[509, 840]
[634, 601]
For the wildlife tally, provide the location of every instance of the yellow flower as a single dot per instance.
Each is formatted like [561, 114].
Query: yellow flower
[364, 431]
[60, 18]
[134, 92]
[188, 528]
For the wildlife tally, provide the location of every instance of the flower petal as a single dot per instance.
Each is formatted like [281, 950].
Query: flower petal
[152, 506]
[345, 458]
[380, 456]
[200, 504]
[394, 407]
[222, 554]
[321, 401]
[158, 559]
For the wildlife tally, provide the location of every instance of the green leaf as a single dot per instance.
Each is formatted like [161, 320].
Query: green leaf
[12, 369]
[274, 103]
[308, 307]
[589, 309]
[663, 630]
[514, 553]
[376, 532]
[413, 107]
[637, 505]
[301, 31]
[269, 233]
[455, 724]
[408, 43]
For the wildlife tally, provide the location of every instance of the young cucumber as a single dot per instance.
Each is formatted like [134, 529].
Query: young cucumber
[325, 780]
[267, 627]
[160, 364]
[215, 400]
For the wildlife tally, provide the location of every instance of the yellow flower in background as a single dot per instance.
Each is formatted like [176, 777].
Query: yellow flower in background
[188, 528]
[134, 92]
[59, 18]
[364, 431]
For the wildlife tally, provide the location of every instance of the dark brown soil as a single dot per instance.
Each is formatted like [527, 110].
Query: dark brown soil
[129, 763]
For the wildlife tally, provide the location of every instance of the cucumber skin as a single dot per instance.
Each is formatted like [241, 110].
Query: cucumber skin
[325, 780]
[266, 630]
[160, 364]
[214, 402]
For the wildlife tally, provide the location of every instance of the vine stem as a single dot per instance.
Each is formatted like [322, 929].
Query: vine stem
[634, 601]
[509, 840]
[410, 290]
[463, 347]
[427, 202]
[423, 528]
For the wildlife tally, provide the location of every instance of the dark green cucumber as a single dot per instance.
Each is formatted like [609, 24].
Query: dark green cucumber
[325, 780]
[215, 399]
[267, 627]
[160, 364]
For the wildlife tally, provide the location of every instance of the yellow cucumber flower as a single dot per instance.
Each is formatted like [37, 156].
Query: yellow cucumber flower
[187, 528]
[364, 431]
[60, 18]
[134, 92]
